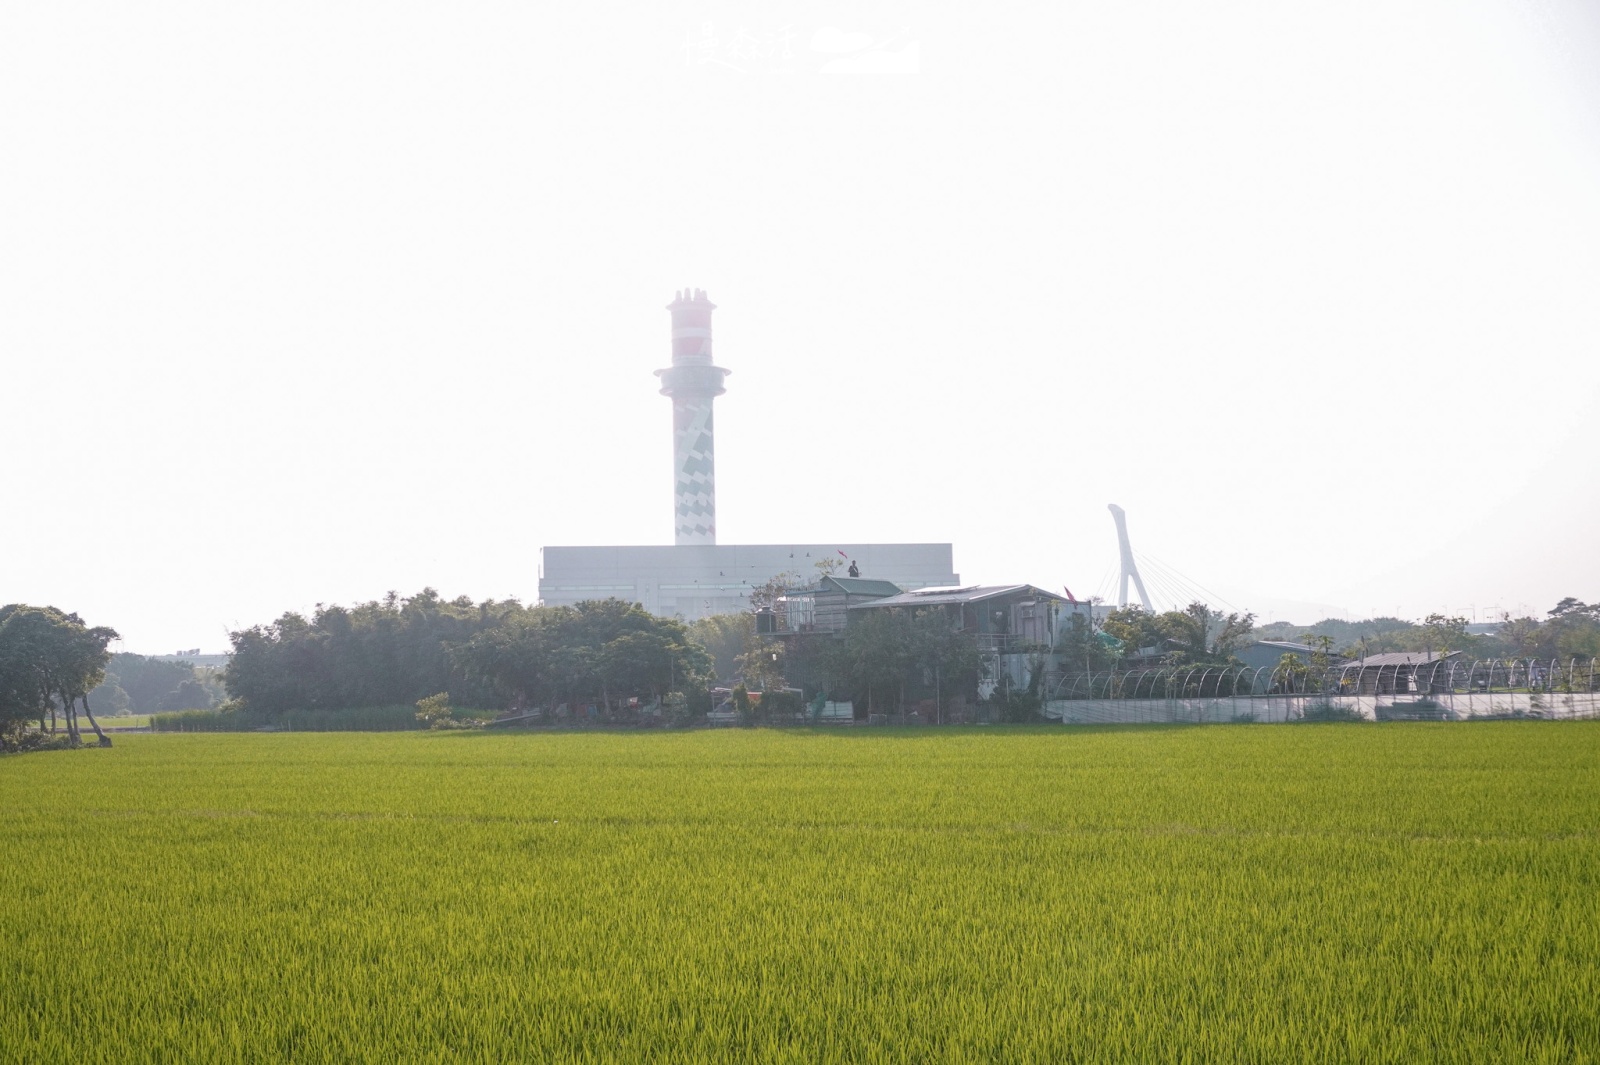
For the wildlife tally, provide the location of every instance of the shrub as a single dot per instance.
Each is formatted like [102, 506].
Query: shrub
[22, 741]
[347, 719]
[434, 710]
[781, 705]
[1327, 711]
[1016, 708]
[205, 721]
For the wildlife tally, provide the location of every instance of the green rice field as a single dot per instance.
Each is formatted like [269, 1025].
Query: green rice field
[1369, 893]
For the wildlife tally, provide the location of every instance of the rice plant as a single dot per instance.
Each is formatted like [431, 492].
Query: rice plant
[1383, 893]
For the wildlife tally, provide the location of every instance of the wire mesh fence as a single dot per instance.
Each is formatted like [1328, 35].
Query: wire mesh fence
[1385, 688]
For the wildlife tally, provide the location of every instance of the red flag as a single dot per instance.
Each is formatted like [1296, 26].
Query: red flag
[1070, 598]
[841, 553]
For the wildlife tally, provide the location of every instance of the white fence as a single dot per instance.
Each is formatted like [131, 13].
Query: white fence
[1436, 689]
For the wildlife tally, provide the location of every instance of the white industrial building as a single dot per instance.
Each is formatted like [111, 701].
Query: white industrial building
[695, 581]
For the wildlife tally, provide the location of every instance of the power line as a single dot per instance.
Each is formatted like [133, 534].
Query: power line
[1207, 594]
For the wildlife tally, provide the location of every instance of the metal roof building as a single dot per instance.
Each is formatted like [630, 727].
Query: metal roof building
[939, 596]
[1264, 654]
[1000, 615]
[824, 606]
[1396, 672]
[1404, 659]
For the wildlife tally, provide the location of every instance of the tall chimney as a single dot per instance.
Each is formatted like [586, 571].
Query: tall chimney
[692, 383]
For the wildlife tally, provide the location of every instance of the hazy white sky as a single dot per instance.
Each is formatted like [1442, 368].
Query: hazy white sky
[303, 302]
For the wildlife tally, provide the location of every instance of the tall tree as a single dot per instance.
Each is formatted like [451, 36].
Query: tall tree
[725, 637]
[51, 659]
[1199, 635]
[24, 666]
[875, 655]
[947, 660]
[1195, 635]
[1084, 645]
[378, 653]
[82, 667]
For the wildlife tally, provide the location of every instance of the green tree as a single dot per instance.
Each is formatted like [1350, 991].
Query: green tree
[1375, 634]
[189, 695]
[24, 698]
[604, 650]
[1575, 629]
[808, 661]
[516, 658]
[725, 637]
[1291, 674]
[52, 659]
[1139, 631]
[373, 654]
[947, 660]
[24, 679]
[762, 666]
[1199, 635]
[111, 697]
[1084, 645]
[1444, 634]
[649, 662]
[875, 654]
[82, 667]
[1516, 638]
[145, 679]
[764, 595]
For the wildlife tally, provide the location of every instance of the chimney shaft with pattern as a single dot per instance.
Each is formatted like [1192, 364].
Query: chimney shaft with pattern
[692, 382]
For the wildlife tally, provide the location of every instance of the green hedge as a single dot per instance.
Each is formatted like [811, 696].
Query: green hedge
[347, 719]
[350, 719]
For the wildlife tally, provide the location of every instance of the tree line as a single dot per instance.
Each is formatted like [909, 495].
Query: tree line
[50, 661]
[604, 654]
[1570, 629]
[143, 684]
[613, 661]
[1198, 635]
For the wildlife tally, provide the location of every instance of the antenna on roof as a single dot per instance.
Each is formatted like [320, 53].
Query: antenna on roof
[1129, 568]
